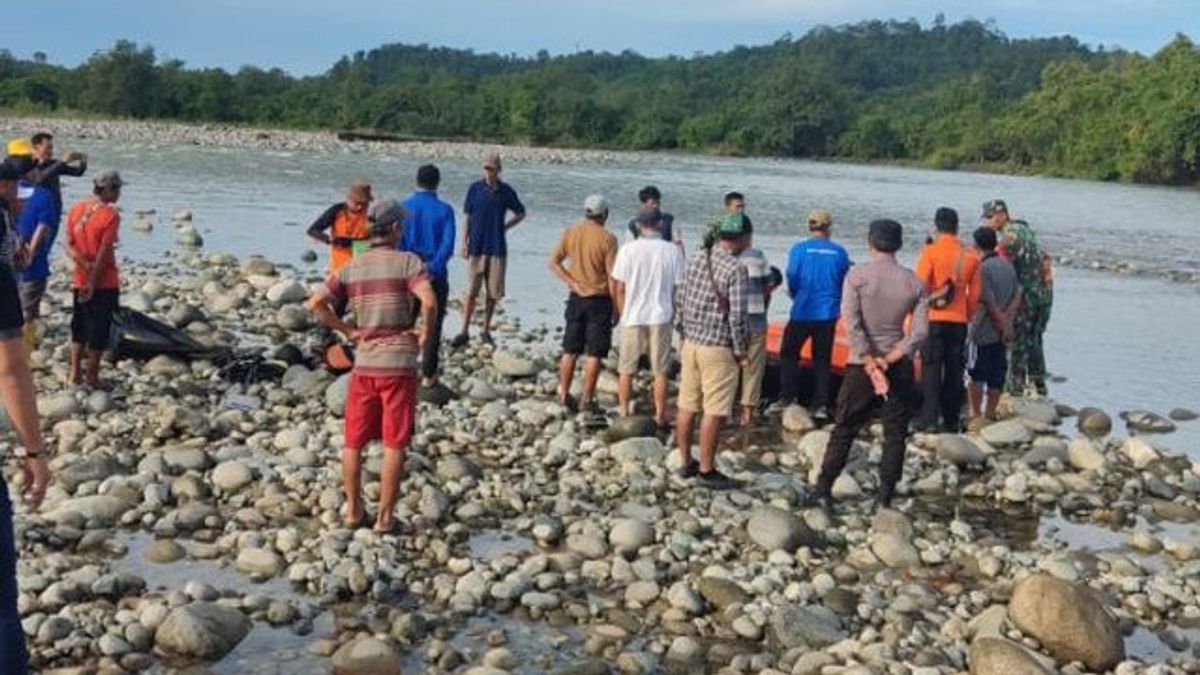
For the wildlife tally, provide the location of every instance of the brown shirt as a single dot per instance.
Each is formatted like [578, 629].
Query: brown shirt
[877, 299]
[590, 250]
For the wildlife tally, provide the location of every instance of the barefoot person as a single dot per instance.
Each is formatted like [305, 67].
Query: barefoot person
[92, 231]
[646, 273]
[379, 287]
[588, 249]
[878, 297]
[344, 225]
[485, 244]
[20, 403]
[712, 320]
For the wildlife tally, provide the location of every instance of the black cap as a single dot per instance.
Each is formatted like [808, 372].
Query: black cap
[886, 235]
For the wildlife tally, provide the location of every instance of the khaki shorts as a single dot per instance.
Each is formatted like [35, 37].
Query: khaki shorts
[752, 374]
[639, 340]
[708, 381]
[486, 271]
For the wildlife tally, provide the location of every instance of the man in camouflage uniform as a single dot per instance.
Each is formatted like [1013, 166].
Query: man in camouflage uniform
[1027, 360]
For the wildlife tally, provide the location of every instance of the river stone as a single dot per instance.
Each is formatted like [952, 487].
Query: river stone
[1068, 621]
[796, 419]
[102, 509]
[1007, 433]
[232, 476]
[959, 450]
[259, 561]
[1141, 453]
[309, 256]
[721, 593]
[164, 551]
[183, 315]
[589, 544]
[685, 652]
[138, 301]
[813, 627]
[891, 540]
[91, 468]
[202, 629]
[639, 450]
[258, 266]
[1094, 423]
[457, 468]
[627, 535]
[336, 394]
[775, 529]
[437, 394]
[58, 407]
[1084, 455]
[183, 458]
[632, 426]
[286, 292]
[292, 318]
[997, 656]
[188, 236]
[1182, 415]
[166, 366]
[511, 364]
[1147, 422]
[1040, 411]
[366, 656]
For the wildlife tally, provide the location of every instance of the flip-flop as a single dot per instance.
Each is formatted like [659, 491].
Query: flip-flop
[364, 520]
[394, 529]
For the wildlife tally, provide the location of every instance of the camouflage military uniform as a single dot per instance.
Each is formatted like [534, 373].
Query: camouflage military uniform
[1027, 360]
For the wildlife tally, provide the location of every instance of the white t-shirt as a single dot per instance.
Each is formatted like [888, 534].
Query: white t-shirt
[650, 270]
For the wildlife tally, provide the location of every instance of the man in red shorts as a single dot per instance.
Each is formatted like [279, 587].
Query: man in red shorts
[379, 288]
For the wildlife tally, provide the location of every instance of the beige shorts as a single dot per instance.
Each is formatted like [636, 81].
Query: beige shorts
[486, 271]
[752, 374]
[708, 381]
[639, 340]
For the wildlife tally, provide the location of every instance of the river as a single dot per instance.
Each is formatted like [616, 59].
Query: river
[1116, 341]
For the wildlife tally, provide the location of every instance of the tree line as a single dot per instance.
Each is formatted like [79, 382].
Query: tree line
[953, 95]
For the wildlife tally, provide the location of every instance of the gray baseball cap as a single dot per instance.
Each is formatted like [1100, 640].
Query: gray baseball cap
[384, 214]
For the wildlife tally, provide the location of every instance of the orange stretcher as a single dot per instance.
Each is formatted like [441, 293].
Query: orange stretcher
[841, 347]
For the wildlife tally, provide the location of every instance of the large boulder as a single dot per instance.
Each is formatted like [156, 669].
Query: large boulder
[1008, 433]
[366, 656]
[286, 292]
[1147, 422]
[104, 510]
[997, 656]
[959, 450]
[1084, 455]
[644, 450]
[202, 629]
[775, 529]
[1068, 621]
[1094, 423]
[1043, 412]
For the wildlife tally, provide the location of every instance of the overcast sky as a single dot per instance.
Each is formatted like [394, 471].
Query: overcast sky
[307, 36]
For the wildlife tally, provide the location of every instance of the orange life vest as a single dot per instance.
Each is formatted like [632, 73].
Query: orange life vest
[347, 225]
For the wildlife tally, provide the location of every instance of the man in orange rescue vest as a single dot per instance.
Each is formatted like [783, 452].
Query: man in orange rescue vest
[343, 224]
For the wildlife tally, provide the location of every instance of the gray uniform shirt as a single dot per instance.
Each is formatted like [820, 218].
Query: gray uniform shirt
[877, 298]
[998, 286]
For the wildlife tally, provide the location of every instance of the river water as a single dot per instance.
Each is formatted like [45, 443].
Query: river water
[1121, 342]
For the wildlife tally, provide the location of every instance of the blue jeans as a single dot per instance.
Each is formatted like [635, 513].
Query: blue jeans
[13, 659]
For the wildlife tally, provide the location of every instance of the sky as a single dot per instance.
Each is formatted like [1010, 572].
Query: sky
[307, 36]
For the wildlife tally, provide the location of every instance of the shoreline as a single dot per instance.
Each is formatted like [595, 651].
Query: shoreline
[516, 514]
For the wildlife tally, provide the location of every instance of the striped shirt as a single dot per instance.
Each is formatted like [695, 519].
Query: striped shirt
[702, 320]
[377, 287]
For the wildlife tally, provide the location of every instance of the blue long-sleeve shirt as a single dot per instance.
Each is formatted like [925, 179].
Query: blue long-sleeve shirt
[815, 272]
[429, 231]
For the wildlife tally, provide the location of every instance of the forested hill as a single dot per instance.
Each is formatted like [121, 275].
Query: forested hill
[946, 95]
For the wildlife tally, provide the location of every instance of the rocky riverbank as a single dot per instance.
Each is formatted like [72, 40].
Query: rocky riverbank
[191, 514]
[290, 140]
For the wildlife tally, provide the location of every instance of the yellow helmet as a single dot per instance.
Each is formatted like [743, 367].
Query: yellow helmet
[20, 147]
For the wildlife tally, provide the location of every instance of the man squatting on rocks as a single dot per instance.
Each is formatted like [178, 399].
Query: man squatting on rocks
[590, 250]
[429, 231]
[877, 298]
[378, 287]
[485, 244]
[712, 323]
[20, 402]
[645, 277]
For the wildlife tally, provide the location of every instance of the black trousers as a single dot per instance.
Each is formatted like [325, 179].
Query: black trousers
[429, 353]
[943, 359]
[794, 337]
[856, 402]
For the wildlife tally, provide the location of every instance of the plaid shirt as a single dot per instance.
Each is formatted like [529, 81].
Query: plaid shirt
[701, 320]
